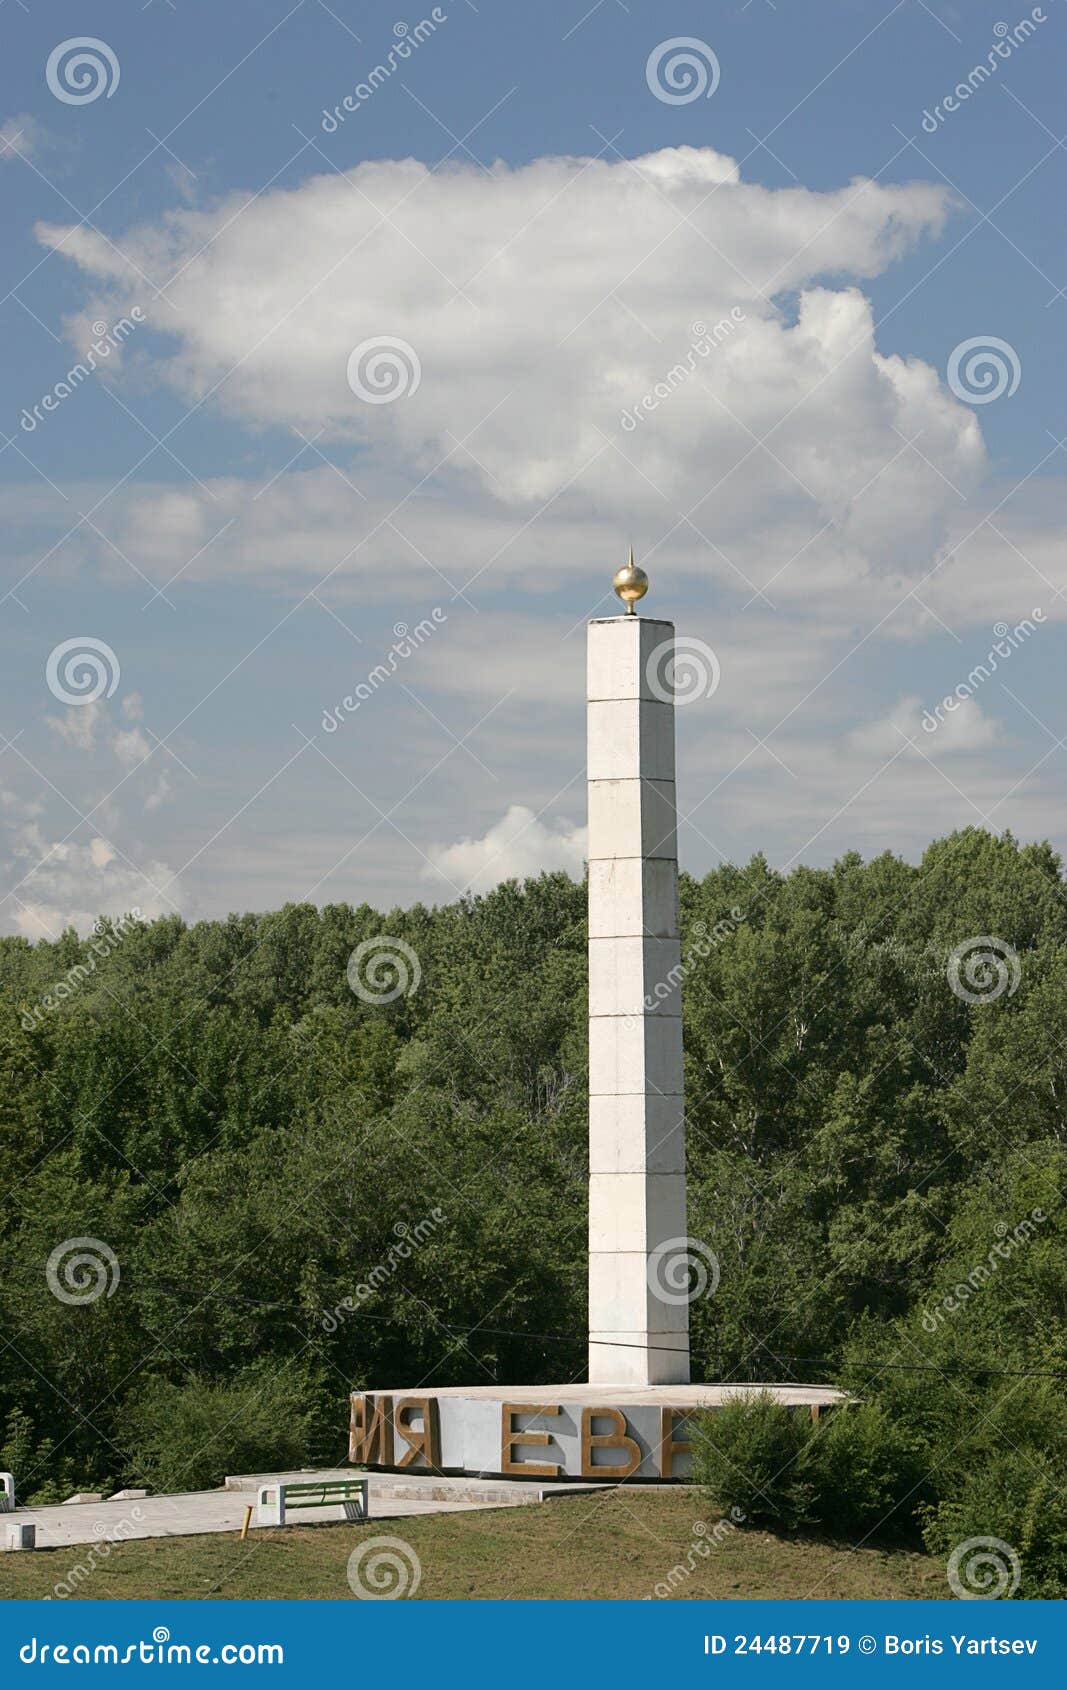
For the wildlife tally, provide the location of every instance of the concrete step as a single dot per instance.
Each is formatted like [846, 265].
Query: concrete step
[422, 1487]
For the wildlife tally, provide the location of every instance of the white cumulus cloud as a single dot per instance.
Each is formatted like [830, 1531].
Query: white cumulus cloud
[518, 846]
[963, 726]
[541, 305]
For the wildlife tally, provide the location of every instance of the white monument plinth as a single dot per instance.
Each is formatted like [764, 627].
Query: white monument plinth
[548, 1431]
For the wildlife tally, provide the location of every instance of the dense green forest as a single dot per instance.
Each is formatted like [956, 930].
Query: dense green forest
[304, 1191]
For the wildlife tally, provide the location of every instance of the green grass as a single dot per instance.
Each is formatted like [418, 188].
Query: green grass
[619, 1545]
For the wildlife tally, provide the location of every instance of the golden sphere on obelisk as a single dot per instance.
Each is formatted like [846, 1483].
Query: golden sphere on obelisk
[630, 583]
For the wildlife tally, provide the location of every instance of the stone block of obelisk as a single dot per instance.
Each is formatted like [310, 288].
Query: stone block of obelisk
[638, 1324]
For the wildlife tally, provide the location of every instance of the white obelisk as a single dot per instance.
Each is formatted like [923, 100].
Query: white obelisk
[636, 1111]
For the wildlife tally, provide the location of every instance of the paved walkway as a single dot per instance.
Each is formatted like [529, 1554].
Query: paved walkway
[392, 1497]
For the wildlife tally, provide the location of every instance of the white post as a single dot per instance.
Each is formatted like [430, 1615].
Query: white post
[636, 1113]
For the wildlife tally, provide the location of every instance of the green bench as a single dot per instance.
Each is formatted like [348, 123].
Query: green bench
[275, 1501]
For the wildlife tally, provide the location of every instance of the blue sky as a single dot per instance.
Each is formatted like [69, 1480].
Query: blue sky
[244, 532]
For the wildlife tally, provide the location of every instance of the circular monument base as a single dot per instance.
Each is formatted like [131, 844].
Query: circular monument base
[548, 1431]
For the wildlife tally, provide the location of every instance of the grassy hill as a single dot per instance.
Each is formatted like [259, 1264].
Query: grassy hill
[637, 1545]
